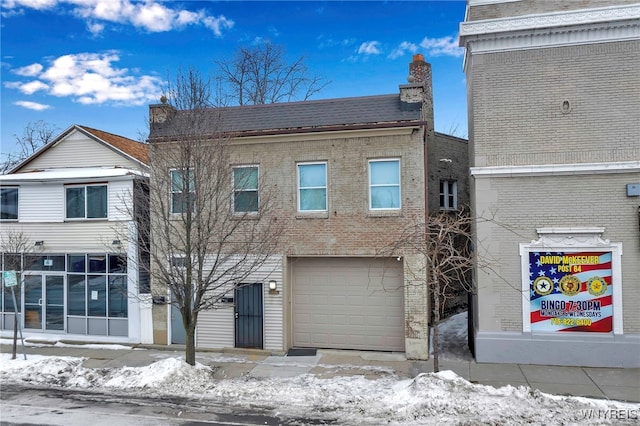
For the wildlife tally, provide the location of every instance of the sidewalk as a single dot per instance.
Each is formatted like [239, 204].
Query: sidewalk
[609, 383]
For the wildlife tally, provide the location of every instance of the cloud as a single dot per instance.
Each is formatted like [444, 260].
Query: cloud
[150, 15]
[369, 48]
[29, 70]
[31, 4]
[32, 105]
[443, 46]
[404, 47]
[90, 78]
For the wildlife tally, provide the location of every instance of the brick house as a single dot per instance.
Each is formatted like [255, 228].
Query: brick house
[554, 125]
[366, 159]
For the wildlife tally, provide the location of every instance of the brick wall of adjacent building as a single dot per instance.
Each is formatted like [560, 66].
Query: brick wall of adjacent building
[516, 123]
[519, 205]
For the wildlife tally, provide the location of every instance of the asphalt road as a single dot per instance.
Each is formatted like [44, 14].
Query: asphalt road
[24, 405]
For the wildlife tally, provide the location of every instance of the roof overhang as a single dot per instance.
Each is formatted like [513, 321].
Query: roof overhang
[71, 175]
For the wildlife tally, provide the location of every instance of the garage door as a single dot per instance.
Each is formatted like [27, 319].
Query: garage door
[347, 303]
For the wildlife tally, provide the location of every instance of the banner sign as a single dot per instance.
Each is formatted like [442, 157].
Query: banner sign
[570, 292]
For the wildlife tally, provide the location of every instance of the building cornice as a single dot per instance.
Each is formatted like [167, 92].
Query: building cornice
[607, 24]
[551, 20]
[557, 169]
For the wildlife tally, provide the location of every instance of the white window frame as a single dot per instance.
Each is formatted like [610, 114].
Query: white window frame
[17, 188]
[398, 185]
[256, 190]
[325, 187]
[172, 192]
[85, 186]
[447, 194]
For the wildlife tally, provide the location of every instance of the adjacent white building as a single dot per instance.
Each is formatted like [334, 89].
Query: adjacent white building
[72, 201]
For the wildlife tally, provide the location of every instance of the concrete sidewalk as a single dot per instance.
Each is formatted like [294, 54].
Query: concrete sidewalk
[610, 383]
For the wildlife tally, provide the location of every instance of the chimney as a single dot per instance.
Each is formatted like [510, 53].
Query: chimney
[419, 70]
[420, 90]
[159, 113]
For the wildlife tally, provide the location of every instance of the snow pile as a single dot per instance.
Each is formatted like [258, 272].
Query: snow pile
[428, 399]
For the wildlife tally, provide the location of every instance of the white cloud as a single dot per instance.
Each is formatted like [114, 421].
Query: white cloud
[31, 4]
[29, 70]
[149, 15]
[32, 105]
[443, 46]
[91, 78]
[32, 87]
[369, 48]
[217, 24]
[404, 47]
[95, 28]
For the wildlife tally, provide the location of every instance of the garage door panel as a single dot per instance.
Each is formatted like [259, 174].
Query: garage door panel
[348, 303]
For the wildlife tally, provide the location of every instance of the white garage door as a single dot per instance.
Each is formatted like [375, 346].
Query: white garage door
[347, 303]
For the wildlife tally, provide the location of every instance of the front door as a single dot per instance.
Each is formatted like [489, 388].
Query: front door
[44, 302]
[248, 314]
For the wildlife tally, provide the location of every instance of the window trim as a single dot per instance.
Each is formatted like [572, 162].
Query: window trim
[444, 192]
[172, 192]
[85, 186]
[399, 185]
[17, 218]
[234, 190]
[325, 187]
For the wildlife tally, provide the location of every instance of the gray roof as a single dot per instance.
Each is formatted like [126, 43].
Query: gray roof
[306, 116]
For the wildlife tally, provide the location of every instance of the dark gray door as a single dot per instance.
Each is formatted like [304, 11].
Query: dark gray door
[248, 313]
[178, 334]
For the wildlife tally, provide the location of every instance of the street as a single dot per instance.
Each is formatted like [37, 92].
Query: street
[21, 405]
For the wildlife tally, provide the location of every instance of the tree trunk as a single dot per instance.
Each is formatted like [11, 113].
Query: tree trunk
[436, 322]
[190, 342]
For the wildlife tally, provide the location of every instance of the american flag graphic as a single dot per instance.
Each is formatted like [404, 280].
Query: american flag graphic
[588, 309]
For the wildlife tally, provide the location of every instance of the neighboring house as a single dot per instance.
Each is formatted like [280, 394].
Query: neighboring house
[554, 128]
[334, 290]
[71, 200]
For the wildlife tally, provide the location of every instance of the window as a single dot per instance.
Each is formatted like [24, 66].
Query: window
[312, 187]
[87, 202]
[448, 195]
[97, 285]
[182, 191]
[9, 203]
[384, 184]
[245, 189]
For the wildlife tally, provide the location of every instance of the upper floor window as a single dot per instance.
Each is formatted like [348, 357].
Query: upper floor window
[448, 195]
[183, 192]
[245, 189]
[86, 202]
[9, 203]
[312, 187]
[384, 184]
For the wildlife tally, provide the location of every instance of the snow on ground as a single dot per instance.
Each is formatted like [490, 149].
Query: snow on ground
[428, 399]
[44, 343]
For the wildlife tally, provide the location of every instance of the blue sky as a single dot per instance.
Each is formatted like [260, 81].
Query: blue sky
[100, 63]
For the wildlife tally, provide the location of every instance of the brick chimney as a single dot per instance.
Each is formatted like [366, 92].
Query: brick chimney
[420, 90]
[159, 113]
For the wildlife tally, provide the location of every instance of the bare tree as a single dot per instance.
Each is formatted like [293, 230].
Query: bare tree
[14, 244]
[445, 241]
[34, 136]
[261, 75]
[207, 234]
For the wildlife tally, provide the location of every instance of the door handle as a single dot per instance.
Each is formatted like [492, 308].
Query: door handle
[39, 302]
[237, 315]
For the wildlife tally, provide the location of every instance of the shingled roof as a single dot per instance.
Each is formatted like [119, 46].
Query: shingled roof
[137, 150]
[306, 116]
